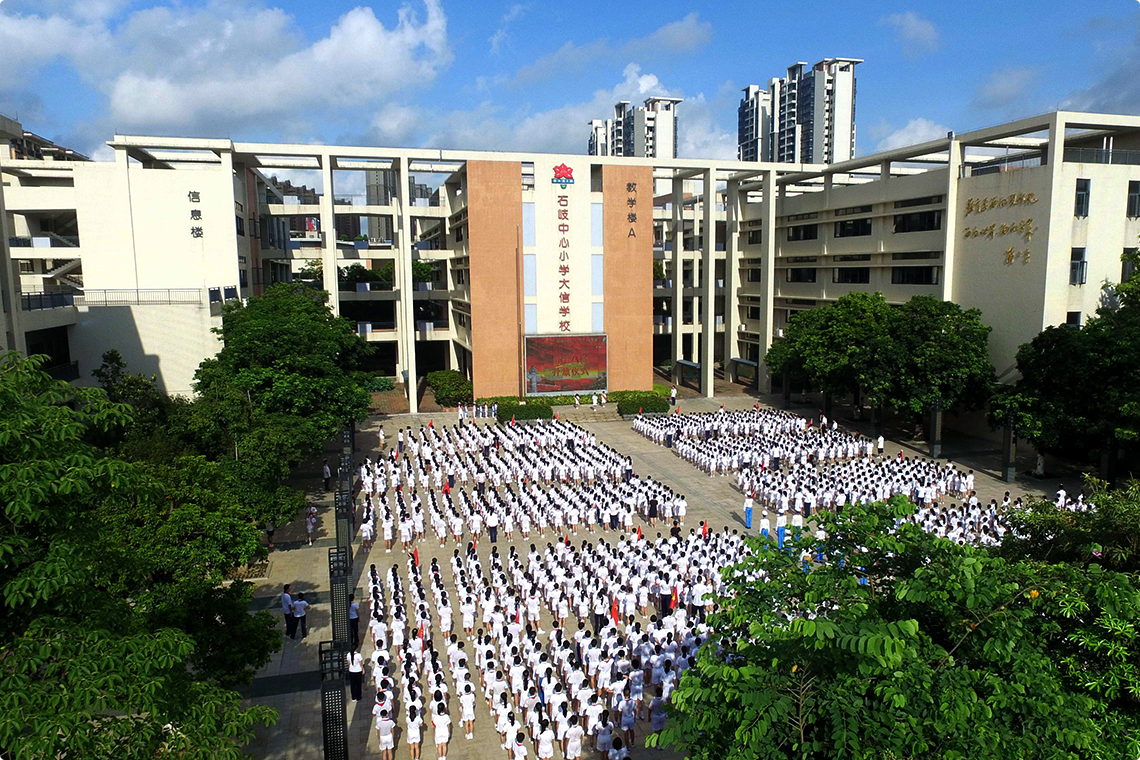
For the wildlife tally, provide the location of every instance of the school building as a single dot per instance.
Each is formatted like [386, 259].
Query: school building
[542, 273]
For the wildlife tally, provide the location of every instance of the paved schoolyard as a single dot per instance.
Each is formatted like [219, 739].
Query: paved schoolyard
[291, 682]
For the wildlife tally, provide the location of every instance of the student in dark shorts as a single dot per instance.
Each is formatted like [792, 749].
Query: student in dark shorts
[653, 511]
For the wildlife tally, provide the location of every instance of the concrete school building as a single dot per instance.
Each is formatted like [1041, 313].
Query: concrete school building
[495, 258]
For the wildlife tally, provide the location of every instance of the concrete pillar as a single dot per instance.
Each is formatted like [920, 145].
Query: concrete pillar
[405, 310]
[936, 429]
[767, 277]
[708, 283]
[328, 234]
[1008, 452]
[678, 235]
[731, 276]
[950, 218]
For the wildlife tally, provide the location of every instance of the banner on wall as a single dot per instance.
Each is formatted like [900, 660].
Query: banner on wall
[565, 364]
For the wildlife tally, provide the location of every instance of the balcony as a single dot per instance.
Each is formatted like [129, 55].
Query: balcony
[37, 301]
[1102, 156]
[67, 372]
[45, 240]
[427, 325]
[144, 297]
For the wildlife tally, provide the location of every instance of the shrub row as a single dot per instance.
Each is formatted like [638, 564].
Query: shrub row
[379, 383]
[519, 411]
[648, 402]
[450, 387]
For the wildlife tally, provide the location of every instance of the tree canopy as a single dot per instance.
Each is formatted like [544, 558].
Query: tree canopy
[1078, 390]
[102, 565]
[906, 357]
[907, 645]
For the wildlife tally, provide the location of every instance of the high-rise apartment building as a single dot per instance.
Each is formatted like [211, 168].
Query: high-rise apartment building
[810, 115]
[645, 131]
[754, 124]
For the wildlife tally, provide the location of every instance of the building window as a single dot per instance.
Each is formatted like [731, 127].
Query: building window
[27, 266]
[460, 233]
[913, 255]
[1134, 199]
[853, 228]
[754, 275]
[918, 221]
[754, 237]
[1127, 268]
[1078, 267]
[1081, 205]
[928, 200]
[914, 275]
[243, 278]
[806, 274]
[803, 232]
[801, 259]
[852, 210]
[754, 312]
[851, 275]
[854, 257]
[1073, 318]
[240, 226]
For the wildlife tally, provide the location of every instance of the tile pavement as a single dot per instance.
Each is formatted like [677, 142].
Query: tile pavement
[290, 682]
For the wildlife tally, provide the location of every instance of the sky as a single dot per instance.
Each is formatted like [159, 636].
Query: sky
[529, 76]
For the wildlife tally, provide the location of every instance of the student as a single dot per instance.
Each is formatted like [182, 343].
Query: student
[572, 744]
[287, 612]
[467, 711]
[385, 732]
[301, 613]
[355, 673]
[545, 740]
[311, 523]
[441, 721]
[415, 732]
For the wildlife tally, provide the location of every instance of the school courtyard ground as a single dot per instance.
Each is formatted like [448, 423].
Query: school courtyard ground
[291, 681]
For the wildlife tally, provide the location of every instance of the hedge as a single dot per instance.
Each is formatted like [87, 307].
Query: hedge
[647, 403]
[450, 387]
[660, 391]
[524, 412]
[379, 383]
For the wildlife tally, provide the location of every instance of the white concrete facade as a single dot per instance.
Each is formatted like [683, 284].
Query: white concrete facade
[740, 246]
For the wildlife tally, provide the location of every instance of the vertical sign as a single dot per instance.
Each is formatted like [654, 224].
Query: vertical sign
[195, 213]
[563, 177]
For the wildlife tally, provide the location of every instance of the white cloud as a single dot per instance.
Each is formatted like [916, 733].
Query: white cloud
[31, 42]
[500, 35]
[675, 38]
[1117, 92]
[916, 35]
[227, 66]
[1007, 88]
[393, 124]
[916, 131]
[699, 134]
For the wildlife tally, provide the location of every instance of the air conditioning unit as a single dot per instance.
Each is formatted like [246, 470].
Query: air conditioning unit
[779, 332]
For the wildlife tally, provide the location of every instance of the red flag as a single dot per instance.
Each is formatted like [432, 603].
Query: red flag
[416, 556]
[614, 612]
[421, 629]
[673, 600]
[512, 420]
[704, 530]
[638, 532]
[431, 423]
[639, 409]
[518, 615]
[475, 543]
[556, 415]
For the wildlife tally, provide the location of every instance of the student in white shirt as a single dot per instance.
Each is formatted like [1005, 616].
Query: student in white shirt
[441, 721]
[300, 611]
[415, 732]
[385, 733]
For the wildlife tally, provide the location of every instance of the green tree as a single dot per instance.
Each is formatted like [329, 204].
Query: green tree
[906, 645]
[422, 271]
[943, 354]
[313, 271]
[288, 353]
[1078, 392]
[83, 668]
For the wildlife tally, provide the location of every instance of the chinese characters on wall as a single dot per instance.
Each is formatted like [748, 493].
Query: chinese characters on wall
[631, 204]
[563, 176]
[195, 213]
[1022, 228]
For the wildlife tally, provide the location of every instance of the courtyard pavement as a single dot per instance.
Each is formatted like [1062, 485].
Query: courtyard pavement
[291, 681]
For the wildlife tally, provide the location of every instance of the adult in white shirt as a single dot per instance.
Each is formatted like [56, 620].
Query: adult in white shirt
[301, 612]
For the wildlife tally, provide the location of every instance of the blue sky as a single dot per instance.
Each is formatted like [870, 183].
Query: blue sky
[529, 75]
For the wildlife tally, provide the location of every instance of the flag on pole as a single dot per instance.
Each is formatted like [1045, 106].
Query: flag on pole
[638, 532]
[614, 612]
[512, 420]
[556, 415]
[475, 543]
[431, 424]
[639, 409]
[673, 599]
[704, 528]
[518, 615]
[416, 556]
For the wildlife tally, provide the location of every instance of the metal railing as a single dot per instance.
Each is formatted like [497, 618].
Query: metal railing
[1102, 156]
[364, 287]
[37, 301]
[66, 372]
[46, 240]
[145, 296]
